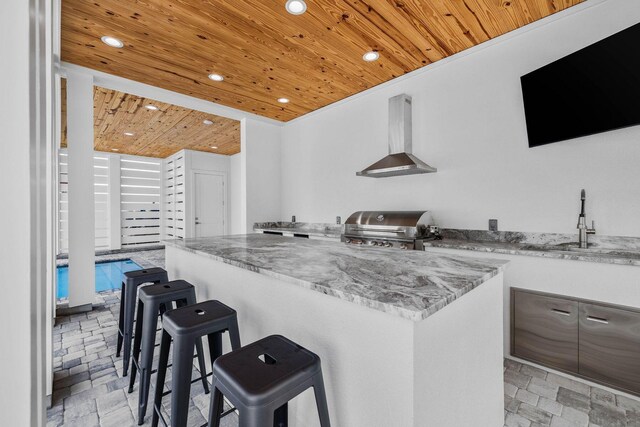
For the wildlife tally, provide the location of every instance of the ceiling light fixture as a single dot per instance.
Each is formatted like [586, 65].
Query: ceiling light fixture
[214, 147]
[371, 56]
[296, 7]
[151, 107]
[207, 122]
[216, 77]
[114, 149]
[129, 133]
[283, 100]
[112, 41]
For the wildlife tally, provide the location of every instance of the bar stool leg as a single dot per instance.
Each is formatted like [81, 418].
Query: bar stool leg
[165, 345]
[181, 380]
[129, 311]
[321, 400]
[136, 345]
[149, 321]
[256, 417]
[121, 319]
[216, 406]
[215, 346]
[234, 335]
[199, 351]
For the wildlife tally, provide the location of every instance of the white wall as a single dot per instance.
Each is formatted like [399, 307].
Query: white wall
[469, 123]
[235, 195]
[260, 162]
[25, 79]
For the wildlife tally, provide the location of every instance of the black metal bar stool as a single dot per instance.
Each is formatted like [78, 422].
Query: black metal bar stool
[185, 326]
[154, 300]
[133, 279]
[262, 377]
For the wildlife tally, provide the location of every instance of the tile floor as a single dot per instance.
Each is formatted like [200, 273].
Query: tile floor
[89, 389]
[535, 397]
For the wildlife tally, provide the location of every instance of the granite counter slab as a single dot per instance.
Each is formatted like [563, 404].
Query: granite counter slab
[557, 251]
[332, 231]
[409, 284]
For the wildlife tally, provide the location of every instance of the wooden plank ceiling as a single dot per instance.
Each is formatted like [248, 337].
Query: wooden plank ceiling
[265, 53]
[158, 133]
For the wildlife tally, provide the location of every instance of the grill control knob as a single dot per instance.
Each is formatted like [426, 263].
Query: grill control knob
[347, 240]
[403, 246]
[387, 244]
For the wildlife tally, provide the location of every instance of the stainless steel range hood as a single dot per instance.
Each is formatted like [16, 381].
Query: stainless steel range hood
[400, 161]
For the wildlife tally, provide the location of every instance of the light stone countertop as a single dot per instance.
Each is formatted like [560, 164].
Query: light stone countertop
[309, 228]
[409, 284]
[618, 250]
[568, 252]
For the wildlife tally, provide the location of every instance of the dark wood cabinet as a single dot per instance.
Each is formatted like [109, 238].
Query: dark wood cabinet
[593, 340]
[546, 330]
[609, 347]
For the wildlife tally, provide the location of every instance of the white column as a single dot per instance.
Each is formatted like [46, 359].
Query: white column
[260, 169]
[24, 116]
[81, 189]
[115, 232]
[243, 177]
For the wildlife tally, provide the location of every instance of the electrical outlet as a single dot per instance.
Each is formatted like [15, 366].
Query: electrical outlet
[293, 218]
[493, 225]
[338, 220]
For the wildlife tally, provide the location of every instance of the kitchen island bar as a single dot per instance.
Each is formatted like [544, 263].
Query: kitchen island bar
[406, 338]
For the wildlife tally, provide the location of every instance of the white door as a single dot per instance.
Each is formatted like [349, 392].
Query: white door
[209, 204]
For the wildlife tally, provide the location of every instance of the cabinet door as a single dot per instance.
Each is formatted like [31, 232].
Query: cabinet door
[610, 345]
[545, 330]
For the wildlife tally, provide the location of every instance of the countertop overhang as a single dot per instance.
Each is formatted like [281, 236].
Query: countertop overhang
[409, 284]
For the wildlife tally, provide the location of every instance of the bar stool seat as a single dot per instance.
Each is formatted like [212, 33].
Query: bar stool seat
[153, 301]
[260, 378]
[186, 325]
[132, 280]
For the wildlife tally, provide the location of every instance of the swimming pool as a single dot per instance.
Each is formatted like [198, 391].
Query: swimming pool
[108, 276]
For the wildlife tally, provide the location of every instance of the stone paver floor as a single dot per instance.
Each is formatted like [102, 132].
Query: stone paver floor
[89, 389]
[535, 397]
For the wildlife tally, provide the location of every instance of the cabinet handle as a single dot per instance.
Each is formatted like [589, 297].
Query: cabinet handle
[598, 319]
[562, 312]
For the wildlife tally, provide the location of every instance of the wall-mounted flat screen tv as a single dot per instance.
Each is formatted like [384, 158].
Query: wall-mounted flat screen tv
[593, 90]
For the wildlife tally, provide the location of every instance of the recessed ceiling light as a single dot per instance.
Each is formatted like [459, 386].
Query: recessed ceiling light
[114, 149]
[112, 41]
[216, 77]
[371, 56]
[283, 100]
[296, 7]
[129, 133]
[207, 122]
[214, 147]
[151, 107]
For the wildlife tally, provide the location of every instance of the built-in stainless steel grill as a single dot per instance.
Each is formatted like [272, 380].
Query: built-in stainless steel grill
[390, 229]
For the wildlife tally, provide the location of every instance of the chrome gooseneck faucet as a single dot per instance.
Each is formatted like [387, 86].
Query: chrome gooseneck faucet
[583, 230]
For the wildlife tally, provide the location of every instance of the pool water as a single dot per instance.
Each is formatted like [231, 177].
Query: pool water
[108, 276]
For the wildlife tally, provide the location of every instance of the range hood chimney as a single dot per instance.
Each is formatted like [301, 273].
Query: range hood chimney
[400, 161]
